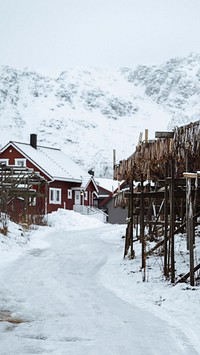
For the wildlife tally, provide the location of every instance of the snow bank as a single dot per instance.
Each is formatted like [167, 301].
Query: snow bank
[15, 236]
[178, 305]
[70, 220]
[12, 243]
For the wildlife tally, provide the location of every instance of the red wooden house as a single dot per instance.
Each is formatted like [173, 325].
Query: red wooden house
[69, 187]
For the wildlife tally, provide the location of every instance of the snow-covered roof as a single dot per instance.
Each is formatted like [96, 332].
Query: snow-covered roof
[108, 184]
[86, 181]
[53, 162]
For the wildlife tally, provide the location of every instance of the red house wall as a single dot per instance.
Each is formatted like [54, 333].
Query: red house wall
[90, 189]
[65, 201]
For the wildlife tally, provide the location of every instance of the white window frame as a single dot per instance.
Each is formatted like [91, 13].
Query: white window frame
[69, 194]
[86, 195]
[20, 162]
[32, 201]
[5, 161]
[55, 195]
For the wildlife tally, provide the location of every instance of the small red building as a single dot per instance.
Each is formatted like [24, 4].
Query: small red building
[107, 189]
[69, 187]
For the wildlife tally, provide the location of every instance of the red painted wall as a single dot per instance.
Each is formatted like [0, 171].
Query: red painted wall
[90, 189]
[65, 202]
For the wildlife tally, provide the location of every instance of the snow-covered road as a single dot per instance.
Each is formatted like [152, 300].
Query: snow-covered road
[56, 286]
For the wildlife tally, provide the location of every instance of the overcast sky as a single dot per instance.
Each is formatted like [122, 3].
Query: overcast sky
[53, 35]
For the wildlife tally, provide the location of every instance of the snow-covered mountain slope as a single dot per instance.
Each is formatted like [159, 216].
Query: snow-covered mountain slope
[88, 113]
[175, 86]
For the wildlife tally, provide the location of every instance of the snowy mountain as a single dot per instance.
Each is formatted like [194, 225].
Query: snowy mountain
[175, 86]
[88, 113]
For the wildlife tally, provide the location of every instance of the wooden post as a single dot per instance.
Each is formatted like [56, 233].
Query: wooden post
[129, 228]
[191, 245]
[172, 220]
[189, 228]
[146, 135]
[189, 222]
[166, 266]
[137, 225]
[140, 138]
[182, 211]
[194, 205]
[142, 228]
[131, 220]
[187, 170]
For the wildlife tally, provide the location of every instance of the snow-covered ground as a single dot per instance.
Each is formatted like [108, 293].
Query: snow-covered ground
[65, 289]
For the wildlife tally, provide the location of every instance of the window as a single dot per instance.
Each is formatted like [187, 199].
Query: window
[20, 162]
[69, 194]
[4, 161]
[86, 195]
[55, 196]
[32, 201]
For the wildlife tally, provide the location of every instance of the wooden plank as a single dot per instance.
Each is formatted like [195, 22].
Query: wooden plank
[140, 138]
[159, 194]
[185, 277]
[191, 175]
[160, 134]
[146, 135]
[178, 230]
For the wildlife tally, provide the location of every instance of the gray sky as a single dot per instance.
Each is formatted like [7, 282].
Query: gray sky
[53, 35]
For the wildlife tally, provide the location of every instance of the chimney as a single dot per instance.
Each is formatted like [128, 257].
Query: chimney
[33, 140]
[91, 172]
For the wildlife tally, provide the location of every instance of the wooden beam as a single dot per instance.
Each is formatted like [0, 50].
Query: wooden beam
[167, 134]
[140, 138]
[159, 194]
[185, 277]
[146, 135]
[191, 175]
